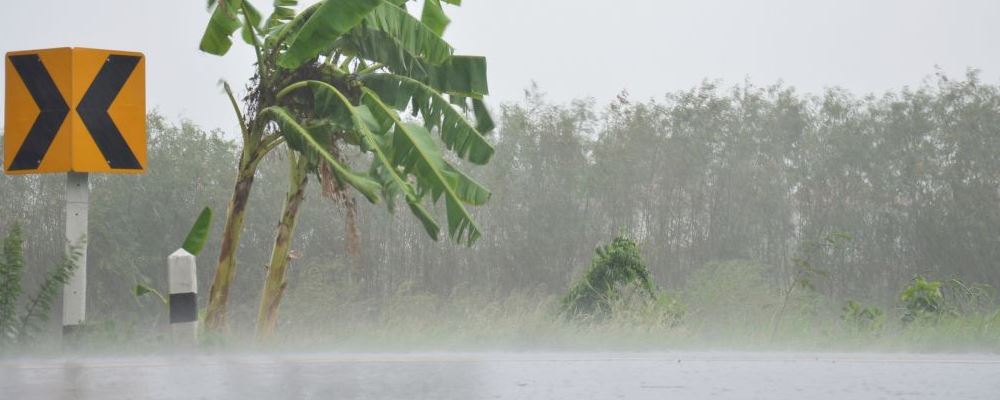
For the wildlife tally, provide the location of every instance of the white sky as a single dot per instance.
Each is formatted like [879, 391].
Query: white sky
[573, 48]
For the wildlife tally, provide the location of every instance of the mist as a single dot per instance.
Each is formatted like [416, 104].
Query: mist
[712, 199]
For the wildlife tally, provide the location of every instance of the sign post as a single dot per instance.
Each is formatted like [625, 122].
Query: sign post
[75, 290]
[78, 111]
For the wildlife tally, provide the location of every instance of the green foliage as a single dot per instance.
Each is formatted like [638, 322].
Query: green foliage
[614, 268]
[20, 328]
[714, 172]
[332, 19]
[861, 318]
[337, 76]
[194, 242]
[36, 312]
[433, 16]
[922, 299]
[196, 238]
[457, 132]
[968, 299]
[411, 318]
[11, 269]
[142, 289]
[227, 17]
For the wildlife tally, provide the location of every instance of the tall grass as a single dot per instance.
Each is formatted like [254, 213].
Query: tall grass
[722, 306]
[728, 305]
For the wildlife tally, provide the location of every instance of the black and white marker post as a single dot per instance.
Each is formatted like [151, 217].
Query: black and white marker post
[74, 310]
[183, 298]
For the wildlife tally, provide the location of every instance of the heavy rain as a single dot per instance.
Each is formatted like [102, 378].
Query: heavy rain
[445, 199]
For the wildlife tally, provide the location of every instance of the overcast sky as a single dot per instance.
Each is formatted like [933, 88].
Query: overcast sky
[573, 48]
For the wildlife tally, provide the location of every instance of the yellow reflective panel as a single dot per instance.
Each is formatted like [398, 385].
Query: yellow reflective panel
[44, 70]
[101, 124]
[109, 127]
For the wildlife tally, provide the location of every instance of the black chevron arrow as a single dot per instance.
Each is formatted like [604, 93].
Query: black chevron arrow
[93, 110]
[52, 110]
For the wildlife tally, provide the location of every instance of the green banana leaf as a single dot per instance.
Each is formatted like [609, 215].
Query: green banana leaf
[458, 134]
[368, 187]
[198, 235]
[331, 19]
[415, 151]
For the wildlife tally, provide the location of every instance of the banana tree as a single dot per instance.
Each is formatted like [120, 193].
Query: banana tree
[350, 80]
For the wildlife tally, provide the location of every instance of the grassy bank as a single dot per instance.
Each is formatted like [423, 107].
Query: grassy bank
[724, 306]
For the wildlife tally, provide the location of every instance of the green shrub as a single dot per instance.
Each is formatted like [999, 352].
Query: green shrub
[11, 269]
[859, 318]
[922, 299]
[19, 328]
[968, 299]
[614, 268]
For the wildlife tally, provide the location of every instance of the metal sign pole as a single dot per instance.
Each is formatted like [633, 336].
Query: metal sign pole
[75, 290]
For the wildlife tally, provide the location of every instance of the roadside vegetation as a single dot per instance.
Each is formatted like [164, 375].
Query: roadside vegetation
[24, 314]
[727, 305]
[343, 82]
[724, 192]
[615, 272]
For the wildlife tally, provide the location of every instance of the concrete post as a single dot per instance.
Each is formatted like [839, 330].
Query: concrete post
[74, 309]
[183, 298]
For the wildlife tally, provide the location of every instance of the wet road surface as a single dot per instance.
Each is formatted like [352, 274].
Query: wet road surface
[696, 375]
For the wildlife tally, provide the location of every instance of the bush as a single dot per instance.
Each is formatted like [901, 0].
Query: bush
[968, 299]
[614, 268]
[11, 269]
[19, 328]
[859, 318]
[922, 299]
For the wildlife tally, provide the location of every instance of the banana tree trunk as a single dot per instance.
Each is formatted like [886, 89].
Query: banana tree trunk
[275, 283]
[225, 271]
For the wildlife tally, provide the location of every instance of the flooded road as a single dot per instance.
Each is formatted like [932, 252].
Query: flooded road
[696, 375]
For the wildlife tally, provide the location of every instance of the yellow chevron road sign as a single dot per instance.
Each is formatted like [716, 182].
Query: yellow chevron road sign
[75, 110]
